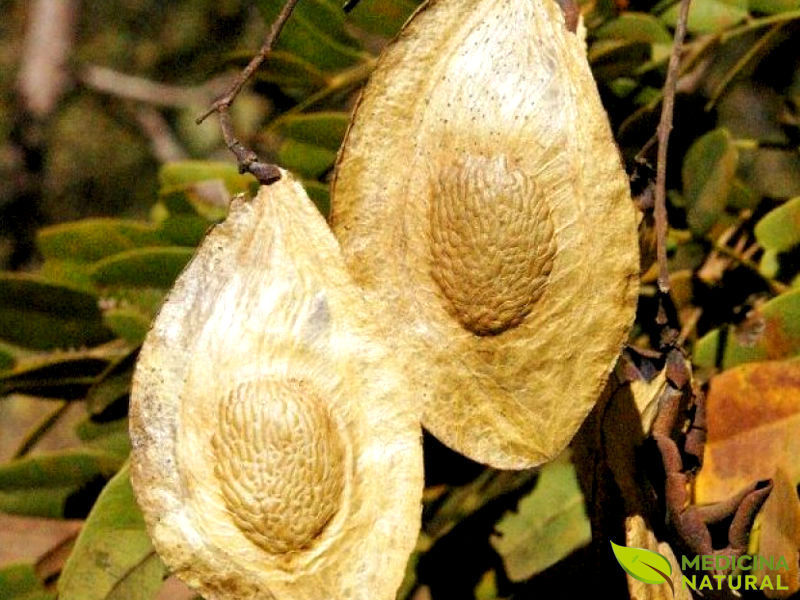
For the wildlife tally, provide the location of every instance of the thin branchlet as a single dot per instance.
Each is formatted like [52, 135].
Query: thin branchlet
[266, 173]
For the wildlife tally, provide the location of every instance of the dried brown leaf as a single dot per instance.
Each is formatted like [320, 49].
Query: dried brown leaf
[753, 413]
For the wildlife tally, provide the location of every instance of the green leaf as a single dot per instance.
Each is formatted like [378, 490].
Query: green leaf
[769, 265]
[772, 172]
[20, 582]
[129, 323]
[635, 27]
[779, 229]
[549, 524]
[308, 160]
[7, 358]
[644, 565]
[113, 387]
[111, 437]
[41, 484]
[288, 71]
[113, 558]
[772, 334]
[382, 17]
[50, 503]
[41, 314]
[143, 267]
[773, 7]
[60, 374]
[54, 469]
[319, 194]
[187, 172]
[183, 229]
[708, 173]
[92, 239]
[709, 16]
[69, 273]
[316, 33]
[324, 129]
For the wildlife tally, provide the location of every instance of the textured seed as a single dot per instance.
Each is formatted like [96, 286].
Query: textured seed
[492, 243]
[280, 461]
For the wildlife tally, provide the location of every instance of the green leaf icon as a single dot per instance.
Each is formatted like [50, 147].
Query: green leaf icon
[644, 565]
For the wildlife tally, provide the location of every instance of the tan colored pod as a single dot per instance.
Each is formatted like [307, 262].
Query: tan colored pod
[276, 453]
[480, 195]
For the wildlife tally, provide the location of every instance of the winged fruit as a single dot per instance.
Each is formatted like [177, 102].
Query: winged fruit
[276, 453]
[480, 195]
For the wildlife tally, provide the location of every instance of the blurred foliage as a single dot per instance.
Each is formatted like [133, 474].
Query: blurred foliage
[71, 323]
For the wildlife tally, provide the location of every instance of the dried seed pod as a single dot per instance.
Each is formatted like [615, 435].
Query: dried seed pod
[480, 194]
[276, 453]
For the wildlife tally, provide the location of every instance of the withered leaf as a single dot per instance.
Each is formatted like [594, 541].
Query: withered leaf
[776, 533]
[753, 413]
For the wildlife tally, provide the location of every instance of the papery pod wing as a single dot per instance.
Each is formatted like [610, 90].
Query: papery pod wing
[479, 193]
[276, 453]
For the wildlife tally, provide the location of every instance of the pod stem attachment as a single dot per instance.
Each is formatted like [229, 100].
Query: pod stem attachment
[266, 173]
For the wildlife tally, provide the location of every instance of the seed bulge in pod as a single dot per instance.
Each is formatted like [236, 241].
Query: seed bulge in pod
[266, 412]
[480, 195]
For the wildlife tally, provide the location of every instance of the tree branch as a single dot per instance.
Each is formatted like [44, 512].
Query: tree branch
[664, 129]
[248, 161]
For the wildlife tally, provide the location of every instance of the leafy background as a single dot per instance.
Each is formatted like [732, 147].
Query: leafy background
[104, 196]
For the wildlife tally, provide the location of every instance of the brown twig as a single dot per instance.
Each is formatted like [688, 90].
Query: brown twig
[664, 129]
[266, 173]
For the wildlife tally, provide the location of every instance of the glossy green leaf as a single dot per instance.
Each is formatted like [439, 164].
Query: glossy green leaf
[769, 265]
[20, 582]
[772, 333]
[113, 387]
[709, 16]
[113, 558]
[54, 469]
[323, 129]
[615, 58]
[708, 172]
[50, 503]
[144, 267]
[54, 374]
[41, 314]
[635, 27]
[550, 523]
[69, 273]
[195, 171]
[92, 239]
[308, 160]
[183, 229]
[382, 17]
[41, 484]
[774, 6]
[129, 323]
[288, 71]
[644, 565]
[316, 33]
[779, 229]
[111, 437]
[320, 195]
